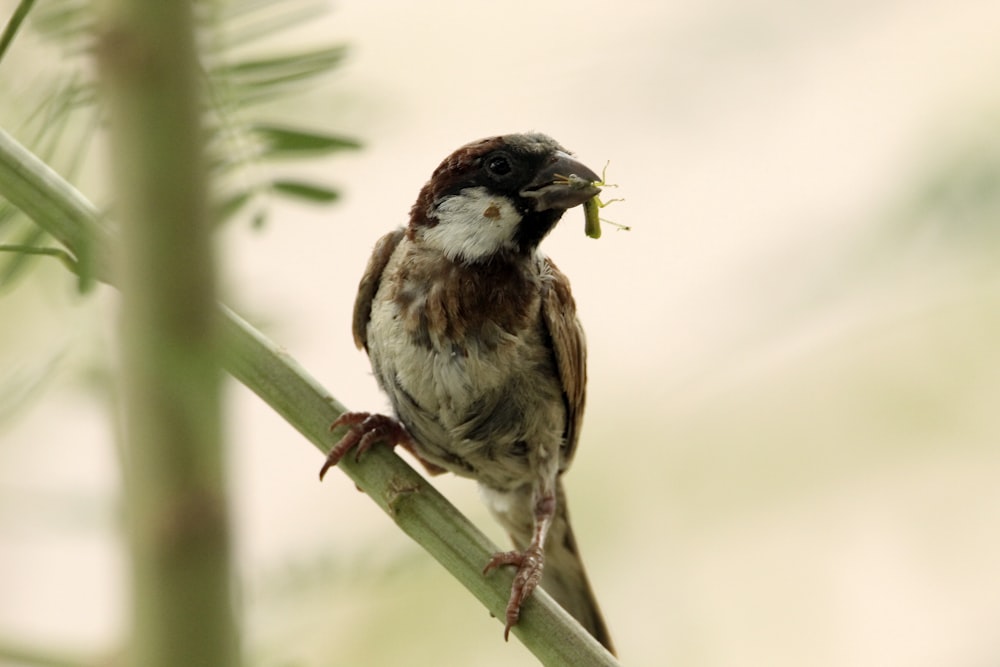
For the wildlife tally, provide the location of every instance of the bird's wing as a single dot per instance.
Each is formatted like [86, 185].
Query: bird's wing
[370, 282]
[569, 348]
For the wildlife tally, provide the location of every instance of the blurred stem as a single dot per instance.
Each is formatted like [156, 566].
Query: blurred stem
[13, 25]
[175, 488]
[17, 652]
[420, 511]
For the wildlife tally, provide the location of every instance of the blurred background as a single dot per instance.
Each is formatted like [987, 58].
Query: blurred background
[792, 442]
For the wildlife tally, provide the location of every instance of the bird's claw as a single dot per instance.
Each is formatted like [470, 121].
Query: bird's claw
[364, 430]
[529, 565]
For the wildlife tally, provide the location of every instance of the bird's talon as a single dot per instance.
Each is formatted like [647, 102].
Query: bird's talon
[364, 430]
[503, 558]
[529, 574]
[367, 440]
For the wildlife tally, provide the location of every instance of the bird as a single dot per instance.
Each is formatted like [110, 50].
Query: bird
[472, 333]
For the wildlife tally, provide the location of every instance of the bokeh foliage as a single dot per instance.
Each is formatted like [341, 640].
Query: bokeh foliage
[251, 150]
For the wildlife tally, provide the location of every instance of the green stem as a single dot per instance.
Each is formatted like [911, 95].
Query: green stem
[176, 493]
[17, 652]
[60, 254]
[13, 25]
[548, 631]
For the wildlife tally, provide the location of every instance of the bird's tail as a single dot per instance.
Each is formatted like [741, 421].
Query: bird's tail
[565, 578]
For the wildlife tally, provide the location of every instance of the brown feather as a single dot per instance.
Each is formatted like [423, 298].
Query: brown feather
[369, 284]
[444, 303]
[570, 350]
[453, 170]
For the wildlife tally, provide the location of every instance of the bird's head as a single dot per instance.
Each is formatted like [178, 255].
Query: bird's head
[499, 196]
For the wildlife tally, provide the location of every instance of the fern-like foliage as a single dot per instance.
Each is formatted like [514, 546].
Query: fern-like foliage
[57, 112]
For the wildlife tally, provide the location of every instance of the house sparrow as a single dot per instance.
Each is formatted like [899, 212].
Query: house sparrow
[473, 334]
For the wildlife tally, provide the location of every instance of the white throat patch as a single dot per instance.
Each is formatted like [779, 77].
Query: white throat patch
[473, 225]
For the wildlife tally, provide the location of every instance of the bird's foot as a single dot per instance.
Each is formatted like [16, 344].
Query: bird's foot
[529, 563]
[364, 430]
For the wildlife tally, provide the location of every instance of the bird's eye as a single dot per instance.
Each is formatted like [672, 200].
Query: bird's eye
[498, 165]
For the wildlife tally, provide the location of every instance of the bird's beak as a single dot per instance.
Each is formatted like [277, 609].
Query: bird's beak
[561, 184]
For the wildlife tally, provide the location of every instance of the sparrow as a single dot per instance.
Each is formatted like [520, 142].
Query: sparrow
[473, 334]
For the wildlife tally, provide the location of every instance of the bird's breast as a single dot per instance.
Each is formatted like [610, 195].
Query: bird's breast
[443, 303]
[456, 331]
[462, 353]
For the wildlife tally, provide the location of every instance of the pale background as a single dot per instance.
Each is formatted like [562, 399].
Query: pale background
[790, 454]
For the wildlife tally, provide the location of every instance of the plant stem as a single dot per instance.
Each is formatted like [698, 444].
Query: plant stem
[20, 653]
[176, 495]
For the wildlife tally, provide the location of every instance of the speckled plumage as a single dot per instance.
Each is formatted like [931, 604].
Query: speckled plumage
[480, 394]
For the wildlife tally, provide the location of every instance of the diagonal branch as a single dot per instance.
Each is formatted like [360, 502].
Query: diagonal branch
[419, 510]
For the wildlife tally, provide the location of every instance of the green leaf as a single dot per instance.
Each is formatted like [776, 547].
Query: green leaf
[291, 142]
[318, 194]
[230, 206]
[245, 22]
[278, 70]
[69, 24]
